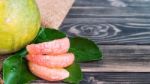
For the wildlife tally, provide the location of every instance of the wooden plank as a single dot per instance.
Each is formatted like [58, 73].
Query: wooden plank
[116, 78]
[108, 3]
[121, 58]
[111, 7]
[109, 78]
[96, 10]
[106, 23]
[126, 33]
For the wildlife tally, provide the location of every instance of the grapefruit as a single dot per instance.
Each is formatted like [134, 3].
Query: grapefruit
[52, 61]
[49, 74]
[58, 46]
[19, 24]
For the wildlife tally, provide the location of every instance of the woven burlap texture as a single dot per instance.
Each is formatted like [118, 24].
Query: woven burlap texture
[53, 12]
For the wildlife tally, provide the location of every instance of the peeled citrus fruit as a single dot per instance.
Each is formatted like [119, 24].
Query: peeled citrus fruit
[50, 74]
[52, 61]
[48, 60]
[58, 46]
[19, 24]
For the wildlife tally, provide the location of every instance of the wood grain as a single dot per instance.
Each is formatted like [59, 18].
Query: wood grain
[111, 33]
[110, 21]
[121, 58]
[109, 78]
[116, 78]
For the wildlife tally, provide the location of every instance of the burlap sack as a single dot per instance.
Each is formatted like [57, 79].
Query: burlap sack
[53, 12]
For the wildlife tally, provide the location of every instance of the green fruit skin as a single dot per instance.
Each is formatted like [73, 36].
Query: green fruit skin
[19, 24]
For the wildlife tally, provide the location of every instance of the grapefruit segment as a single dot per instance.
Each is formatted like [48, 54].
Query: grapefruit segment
[48, 74]
[58, 46]
[52, 61]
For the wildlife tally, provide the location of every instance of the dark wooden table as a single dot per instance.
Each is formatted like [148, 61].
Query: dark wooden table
[121, 28]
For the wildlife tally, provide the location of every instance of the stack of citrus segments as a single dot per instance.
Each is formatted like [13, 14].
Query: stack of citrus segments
[47, 60]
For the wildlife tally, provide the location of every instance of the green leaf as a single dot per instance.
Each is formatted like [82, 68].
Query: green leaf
[75, 74]
[85, 50]
[23, 52]
[15, 70]
[47, 34]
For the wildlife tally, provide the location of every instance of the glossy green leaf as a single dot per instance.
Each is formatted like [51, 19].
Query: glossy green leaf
[15, 70]
[75, 74]
[23, 52]
[47, 34]
[85, 50]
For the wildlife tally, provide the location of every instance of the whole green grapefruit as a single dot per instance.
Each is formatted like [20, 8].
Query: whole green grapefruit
[19, 24]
